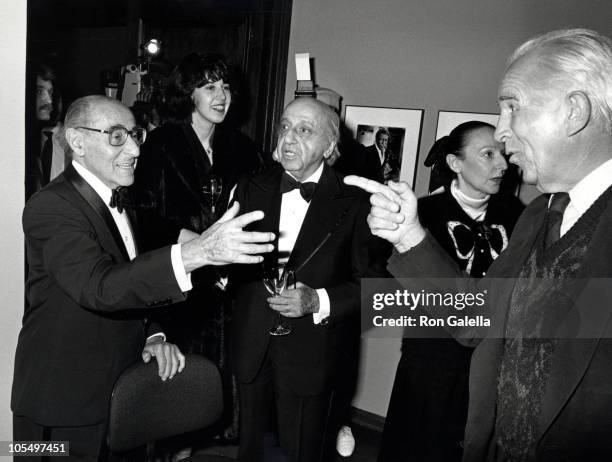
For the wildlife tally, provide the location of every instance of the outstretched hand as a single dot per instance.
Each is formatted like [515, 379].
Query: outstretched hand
[225, 242]
[393, 215]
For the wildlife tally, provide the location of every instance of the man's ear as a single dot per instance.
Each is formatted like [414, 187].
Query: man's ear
[329, 150]
[579, 113]
[74, 138]
[453, 163]
[275, 154]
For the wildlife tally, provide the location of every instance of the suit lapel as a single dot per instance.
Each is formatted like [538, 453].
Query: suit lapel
[582, 332]
[326, 210]
[488, 355]
[134, 225]
[266, 197]
[511, 261]
[510, 264]
[92, 198]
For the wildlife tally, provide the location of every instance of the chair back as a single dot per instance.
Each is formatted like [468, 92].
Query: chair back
[145, 409]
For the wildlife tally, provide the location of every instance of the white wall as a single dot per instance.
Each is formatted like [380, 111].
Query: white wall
[431, 55]
[12, 91]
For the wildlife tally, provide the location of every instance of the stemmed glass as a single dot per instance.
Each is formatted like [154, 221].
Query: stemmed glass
[275, 279]
[212, 190]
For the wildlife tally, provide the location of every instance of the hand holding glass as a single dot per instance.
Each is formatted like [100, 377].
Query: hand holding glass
[275, 279]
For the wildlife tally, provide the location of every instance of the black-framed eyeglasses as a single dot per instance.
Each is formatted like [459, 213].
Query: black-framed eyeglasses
[117, 135]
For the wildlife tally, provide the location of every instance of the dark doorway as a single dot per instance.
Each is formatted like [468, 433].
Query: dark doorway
[86, 40]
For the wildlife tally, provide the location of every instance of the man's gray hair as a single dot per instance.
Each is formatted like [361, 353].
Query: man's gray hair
[581, 56]
[333, 126]
[332, 121]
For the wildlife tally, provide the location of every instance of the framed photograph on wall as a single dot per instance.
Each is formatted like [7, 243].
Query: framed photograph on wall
[447, 120]
[399, 135]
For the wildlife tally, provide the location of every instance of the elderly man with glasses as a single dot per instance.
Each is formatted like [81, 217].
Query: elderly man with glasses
[88, 291]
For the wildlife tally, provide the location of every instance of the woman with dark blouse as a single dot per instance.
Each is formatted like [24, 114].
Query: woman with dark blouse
[172, 193]
[472, 222]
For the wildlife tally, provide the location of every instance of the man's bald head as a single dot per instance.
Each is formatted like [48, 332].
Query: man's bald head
[329, 118]
[83, 111]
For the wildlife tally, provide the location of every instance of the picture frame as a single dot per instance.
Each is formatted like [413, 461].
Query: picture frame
[447, 120]
[404, 127]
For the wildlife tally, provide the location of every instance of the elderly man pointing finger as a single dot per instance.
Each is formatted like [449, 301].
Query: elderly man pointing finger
[539, 386]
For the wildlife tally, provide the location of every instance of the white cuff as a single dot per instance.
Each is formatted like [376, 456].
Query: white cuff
[157, 334]
[182, 278]
[231, 194]
[324, 307]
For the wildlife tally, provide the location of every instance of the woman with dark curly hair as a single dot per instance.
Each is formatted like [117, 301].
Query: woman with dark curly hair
[472, 221]
[177, 165]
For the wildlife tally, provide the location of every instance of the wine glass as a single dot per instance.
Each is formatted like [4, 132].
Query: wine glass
[275, 279]
[212, 190]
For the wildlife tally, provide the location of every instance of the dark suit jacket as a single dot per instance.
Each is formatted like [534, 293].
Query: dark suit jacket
[574, 423]
[307, 355]
[373, 163]
[82, 325]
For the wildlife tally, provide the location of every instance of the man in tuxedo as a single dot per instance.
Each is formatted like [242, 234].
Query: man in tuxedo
[321, 225]
[540, 374]
[377, 154]
[88, 290]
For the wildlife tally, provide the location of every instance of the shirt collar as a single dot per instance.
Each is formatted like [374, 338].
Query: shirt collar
[587, 190]
[52, 129]
[314, 178]
[100, 188]
[474, 207]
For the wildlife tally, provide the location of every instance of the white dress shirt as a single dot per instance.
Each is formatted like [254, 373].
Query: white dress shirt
[123, 224]
[381, 155]
[584, 193]
[292, 212]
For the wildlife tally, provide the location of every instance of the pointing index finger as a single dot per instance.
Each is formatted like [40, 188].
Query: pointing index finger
[371, 186]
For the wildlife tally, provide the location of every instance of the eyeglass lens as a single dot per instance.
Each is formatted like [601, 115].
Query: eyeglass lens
[118, 135]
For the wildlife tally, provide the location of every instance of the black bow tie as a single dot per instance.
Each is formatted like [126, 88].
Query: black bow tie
[288, 183]
[120, 199]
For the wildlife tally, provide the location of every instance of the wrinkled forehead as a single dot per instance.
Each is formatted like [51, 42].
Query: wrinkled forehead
[305, 111]
[525, 73]
[105, 115]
